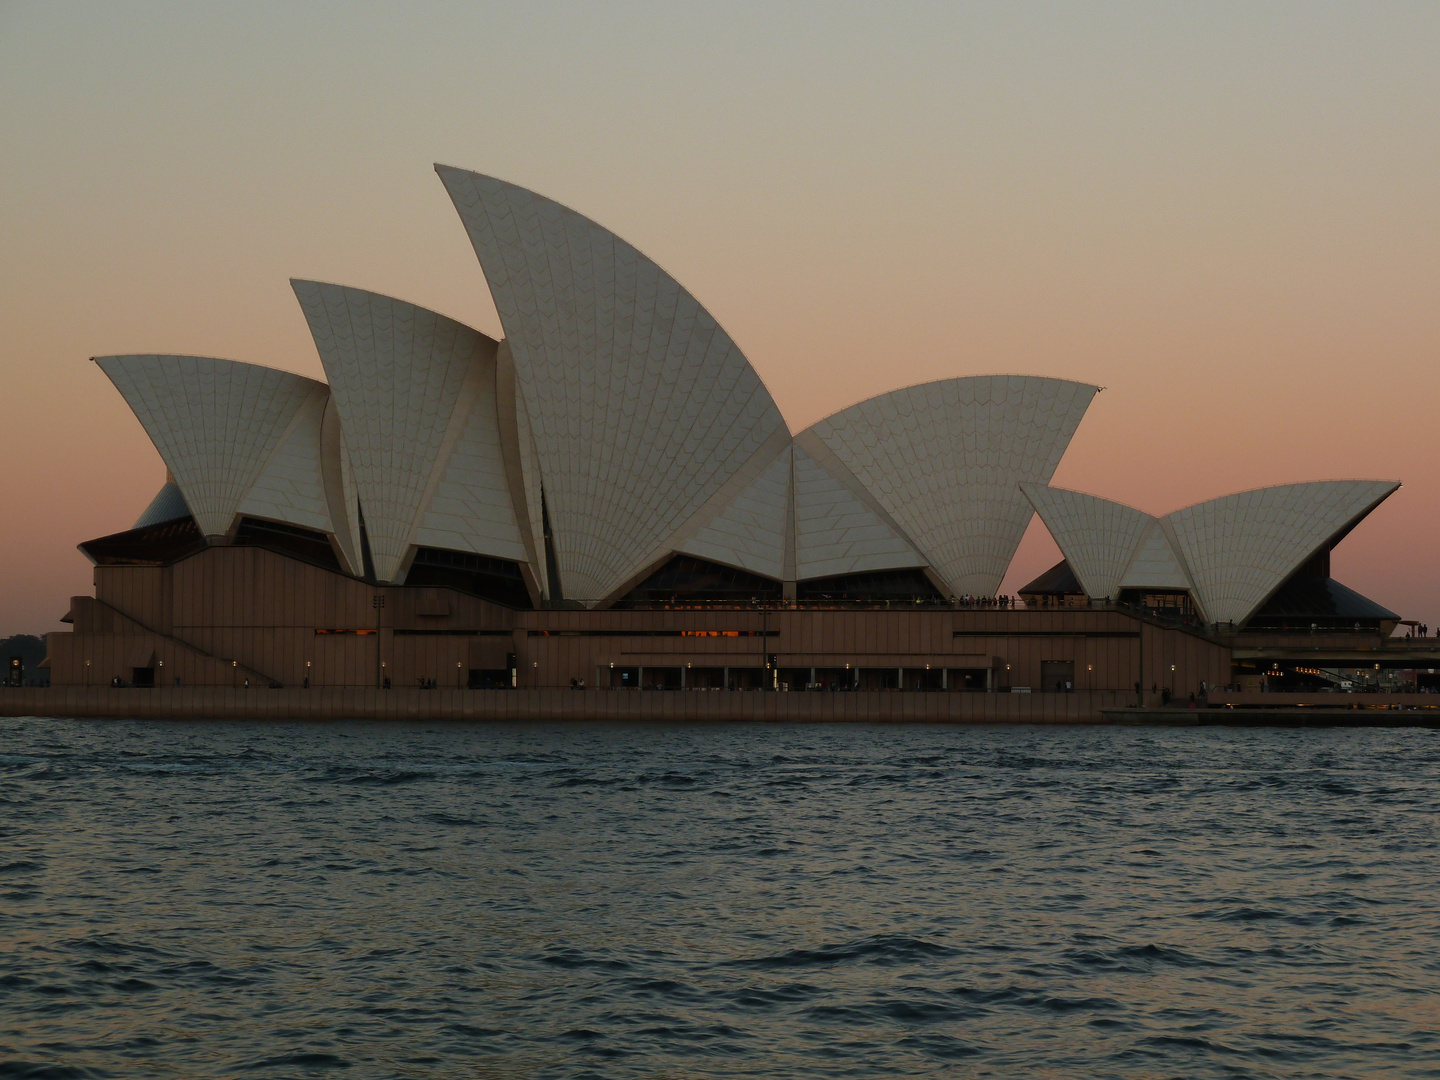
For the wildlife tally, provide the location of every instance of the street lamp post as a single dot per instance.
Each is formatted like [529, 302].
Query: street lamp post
[378, 603]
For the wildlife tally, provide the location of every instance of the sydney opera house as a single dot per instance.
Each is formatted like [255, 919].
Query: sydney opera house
[609, 497]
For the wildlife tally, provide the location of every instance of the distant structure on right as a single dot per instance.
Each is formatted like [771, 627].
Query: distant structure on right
[1257, 558]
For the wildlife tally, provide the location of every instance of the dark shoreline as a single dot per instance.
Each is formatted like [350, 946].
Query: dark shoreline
[558, 704]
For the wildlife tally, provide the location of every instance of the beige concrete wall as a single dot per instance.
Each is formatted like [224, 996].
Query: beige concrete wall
[231, 613]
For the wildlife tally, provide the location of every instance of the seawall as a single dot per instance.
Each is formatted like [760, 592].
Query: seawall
[361, 703]
[679, 706]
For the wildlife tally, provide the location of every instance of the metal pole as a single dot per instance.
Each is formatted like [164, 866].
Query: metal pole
[764, 649]
[1140, 686]
[378, 603]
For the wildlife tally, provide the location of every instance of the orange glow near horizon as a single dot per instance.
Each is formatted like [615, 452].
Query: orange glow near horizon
[1226, 217]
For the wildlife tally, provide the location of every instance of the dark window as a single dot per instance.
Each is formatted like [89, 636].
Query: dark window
[1057, 676]
[879, 679]
[497, 580]
[685, 579]
[307, 545]
[967, 678]
[1308, 600]
[1172, 604]
[488, 679]
[367, 562]
[879, 585]
[552, 565]
[149, 545]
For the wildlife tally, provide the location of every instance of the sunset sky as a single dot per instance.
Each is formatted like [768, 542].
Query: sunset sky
[1228, 215]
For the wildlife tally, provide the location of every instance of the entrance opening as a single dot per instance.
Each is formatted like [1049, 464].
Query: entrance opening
[923, 679]
[967, 678]
[747, 678]
[488, 679]
[660, 678]
[625, 678]
[1057, 676]
[1173, 605]
[887, 678]
[705, 678]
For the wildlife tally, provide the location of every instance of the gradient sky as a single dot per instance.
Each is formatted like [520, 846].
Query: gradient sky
[1226, 215]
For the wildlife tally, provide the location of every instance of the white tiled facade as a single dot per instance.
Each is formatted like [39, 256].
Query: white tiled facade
[836, 532]
[640, 405]
[397, 372]
[292, 486]
[1230, 554]
[946, 460]
[1241, 548]
[215, 422]
[749, 532]
[618, 408]
[1155, 565]
[1099, 535]
[168, 505]
[471, 508]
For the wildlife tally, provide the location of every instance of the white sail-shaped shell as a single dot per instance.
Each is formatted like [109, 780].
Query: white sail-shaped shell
[415, 393]
[641, 407]
[946, 459]
[216, 423]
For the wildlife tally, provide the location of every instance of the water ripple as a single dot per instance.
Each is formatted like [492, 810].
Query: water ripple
[277, 900]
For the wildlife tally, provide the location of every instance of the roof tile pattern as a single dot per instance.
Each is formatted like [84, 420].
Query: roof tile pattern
[395, 371]
[1097, 536]
[471, 508]
[168, 505]
[215, 423]
[1231, 553]
[292, 485]
[750, 532]
[836, 533]
[1155, 564]
[945, 459]
[641, 406]
[1241, 548]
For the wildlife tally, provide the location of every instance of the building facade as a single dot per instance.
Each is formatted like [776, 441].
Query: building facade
[609, 496]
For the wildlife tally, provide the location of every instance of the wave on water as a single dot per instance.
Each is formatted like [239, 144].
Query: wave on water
[290, 900]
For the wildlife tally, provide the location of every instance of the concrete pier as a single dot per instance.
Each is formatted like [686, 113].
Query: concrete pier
[359, 703]
[666, 706]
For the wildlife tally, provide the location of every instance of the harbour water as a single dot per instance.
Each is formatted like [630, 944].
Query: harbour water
[278, 900]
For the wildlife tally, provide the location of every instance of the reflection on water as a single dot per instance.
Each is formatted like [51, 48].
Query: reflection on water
[209, 900]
